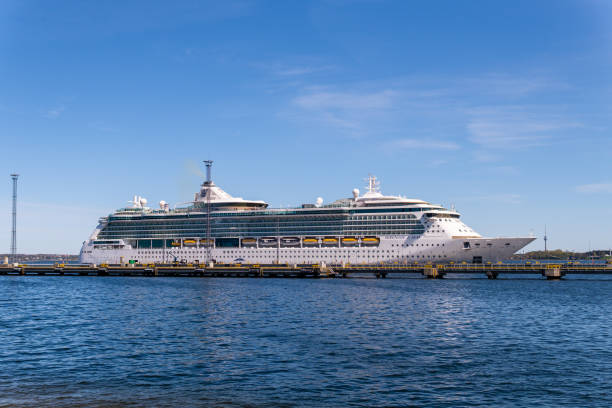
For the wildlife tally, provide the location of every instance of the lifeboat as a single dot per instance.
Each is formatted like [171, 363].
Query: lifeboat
[249, 242]
[330, 241]
[176, 243]
[310, 242]
[349, 241]
[205, 242]
[290, 242]
[189, 242]
[370, 241]
[267, 242]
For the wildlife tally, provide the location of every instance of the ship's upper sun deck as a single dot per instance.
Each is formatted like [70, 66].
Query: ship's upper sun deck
[213, 197]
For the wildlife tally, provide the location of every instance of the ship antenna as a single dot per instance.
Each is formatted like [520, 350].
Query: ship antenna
[373, 184]
[208, 192]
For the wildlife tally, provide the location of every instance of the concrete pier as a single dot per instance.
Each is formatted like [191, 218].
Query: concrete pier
[438, 271]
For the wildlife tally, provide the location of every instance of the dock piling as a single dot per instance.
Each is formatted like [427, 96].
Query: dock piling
[553, 272]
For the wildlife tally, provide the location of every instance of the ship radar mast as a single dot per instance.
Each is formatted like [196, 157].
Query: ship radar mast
[373, 184]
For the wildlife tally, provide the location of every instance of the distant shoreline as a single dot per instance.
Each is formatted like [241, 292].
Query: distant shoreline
[564, 255]
[42, 257]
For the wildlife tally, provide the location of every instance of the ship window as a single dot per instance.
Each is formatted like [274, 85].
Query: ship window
[466, 245]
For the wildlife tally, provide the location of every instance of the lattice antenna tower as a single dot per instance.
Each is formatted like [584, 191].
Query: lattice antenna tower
[14, 224]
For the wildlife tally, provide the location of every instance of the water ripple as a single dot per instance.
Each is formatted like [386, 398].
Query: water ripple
[139, 342]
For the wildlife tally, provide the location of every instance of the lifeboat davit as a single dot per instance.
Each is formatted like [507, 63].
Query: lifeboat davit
[370, 241]
[349, 241]
[267, 242]
[290, 242]
[207, 242]
[330, 241]
[310, 242]
[249, 242]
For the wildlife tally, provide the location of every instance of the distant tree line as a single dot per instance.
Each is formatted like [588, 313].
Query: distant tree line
[42, 257]
[561, 254]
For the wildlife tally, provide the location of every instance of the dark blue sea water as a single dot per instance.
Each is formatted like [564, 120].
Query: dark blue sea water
[143, 342]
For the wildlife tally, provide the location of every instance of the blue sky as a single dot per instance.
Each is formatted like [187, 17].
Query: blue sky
[500, 108]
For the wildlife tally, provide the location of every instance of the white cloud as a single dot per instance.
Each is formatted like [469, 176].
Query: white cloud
[437, 162]
[475, 107]
[514, 126]
[55, 112]
[346, 100]
[335, 120]
[421, 144]
[486, 157]
[595, 188]
[498, 84]
[505, 170]
[298, 67]
[102, 127]
[301, 70]
[354, 112]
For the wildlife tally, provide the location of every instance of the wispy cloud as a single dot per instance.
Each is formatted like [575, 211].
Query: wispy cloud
[302, 70]
[346, 100]
[343, 123]
[595, 188]
[408, 144]
[437, 162]
[497, 84]
[505, 170]
[295, 68]
[506, 127]
[102, 127]
[55, 112]
[354, 112]
[476, 110]
[486, 157]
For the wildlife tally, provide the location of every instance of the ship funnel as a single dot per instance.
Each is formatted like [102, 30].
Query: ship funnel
[208, 170]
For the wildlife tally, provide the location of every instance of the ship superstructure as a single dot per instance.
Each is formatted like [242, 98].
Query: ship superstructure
[216, 227]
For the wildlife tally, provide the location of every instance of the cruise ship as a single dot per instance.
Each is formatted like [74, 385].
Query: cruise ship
[368, 228]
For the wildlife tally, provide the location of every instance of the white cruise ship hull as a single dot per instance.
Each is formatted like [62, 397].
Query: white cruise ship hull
[391, 249]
